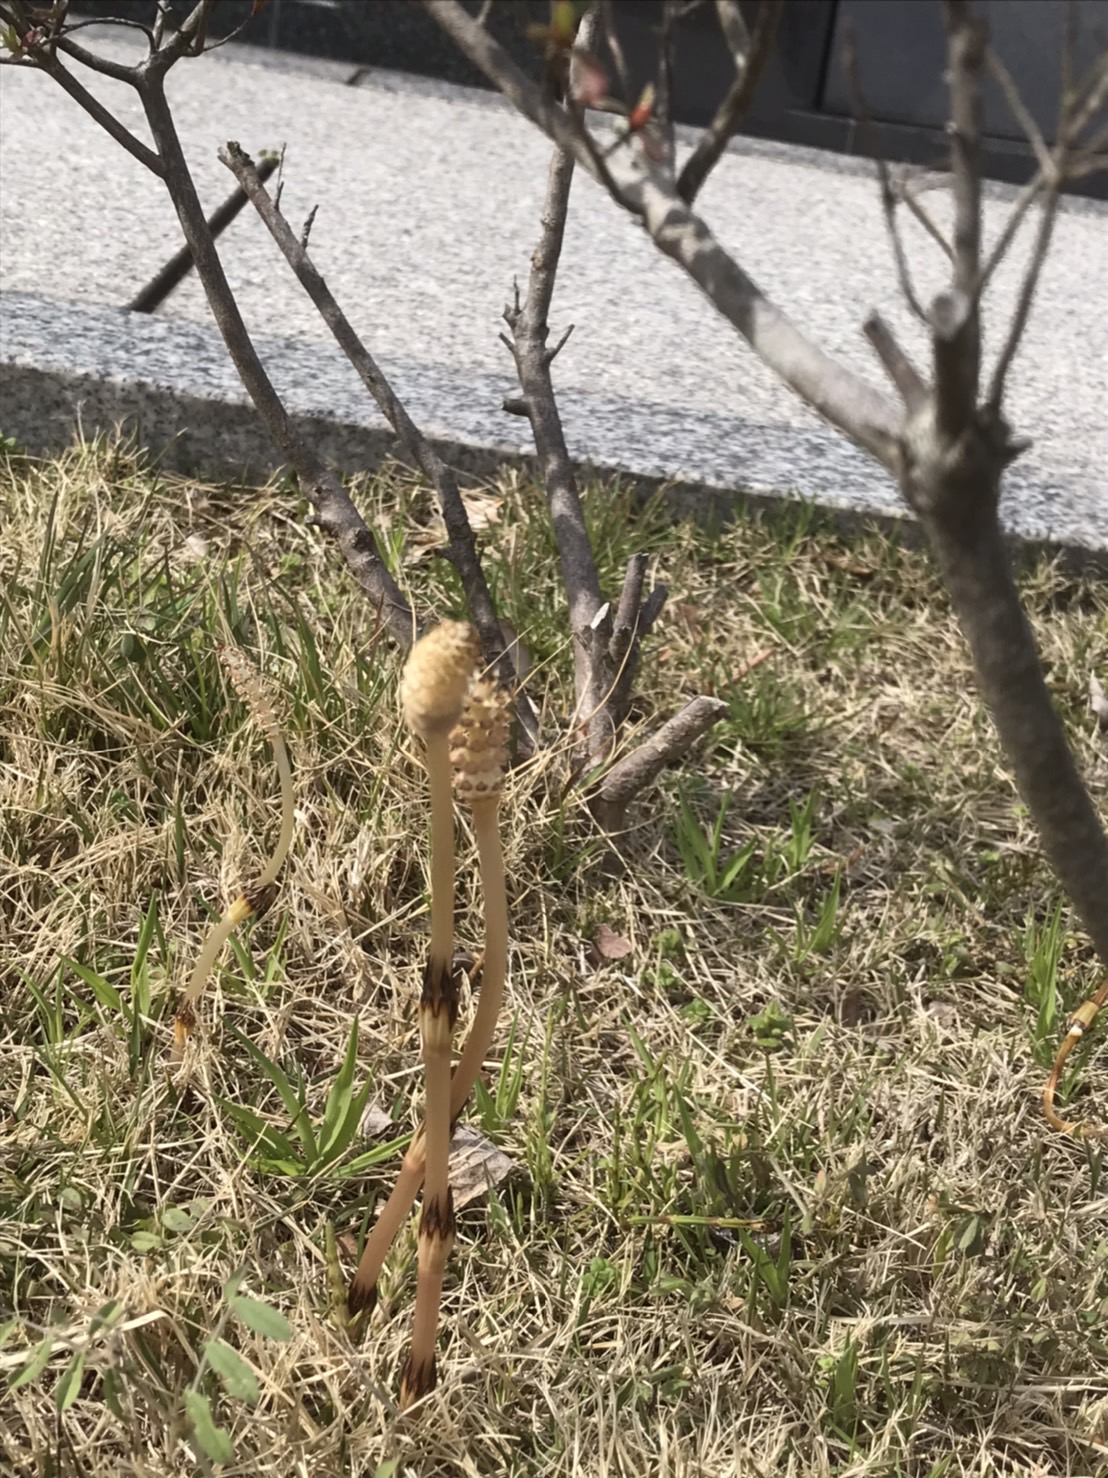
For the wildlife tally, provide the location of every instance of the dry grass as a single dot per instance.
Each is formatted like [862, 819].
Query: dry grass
[784, 1202]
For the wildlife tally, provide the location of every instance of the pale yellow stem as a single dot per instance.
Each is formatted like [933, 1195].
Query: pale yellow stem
[250, 689]
[363, 1287]
[495, 967]
[436, 1241]
[404, 1192]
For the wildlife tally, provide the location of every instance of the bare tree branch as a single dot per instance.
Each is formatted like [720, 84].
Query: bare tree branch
[463, 545]
[171, 274]
[903, 191]
[1021, 113]
[847, 401]
[123, 21]
[603, 668]
[958, 333]
[1053, 171]
[735, 31]
[956, 365]
[611, 35]
[529, 329]
[160, 22]
[119, 71]
[630, 626]
[336, 514]
[663, 102]
[954, 454]
[635, 771]
[1089, 98]
[948, 454]
[966, 539]
[1016, 328]
[900, 369]
[187, 40]
[1026, 198]
[888, 198]
[749, 66]
[101, 115]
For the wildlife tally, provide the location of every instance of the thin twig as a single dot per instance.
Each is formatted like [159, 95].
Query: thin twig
[611, 35]
[160, 20]
[735, 31]
[1021, 113]
[907, 195]
[169, 276]
[463, 545]
[663, 104]
[1028, 286]
[900, 369]
[888, 197]
[864, 413]
[118, 71]
[1026, 198]
[336, 513]
[530, 329]
[635, 771]
[733, 109]
[101, 115]
[188, 39]
[109, 20]
[966, 55]
[1051, 174]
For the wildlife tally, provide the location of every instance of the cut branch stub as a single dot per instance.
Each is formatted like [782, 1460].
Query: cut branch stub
[636, 770]
[954, 333]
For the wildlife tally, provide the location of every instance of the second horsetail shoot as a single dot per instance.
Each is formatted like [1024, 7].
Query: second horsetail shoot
[257, 898]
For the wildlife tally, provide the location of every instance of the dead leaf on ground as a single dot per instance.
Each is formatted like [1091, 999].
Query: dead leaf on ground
[945, 1013]
[855, 1009]
[608, 945]
[482, 508]
[476, 1165]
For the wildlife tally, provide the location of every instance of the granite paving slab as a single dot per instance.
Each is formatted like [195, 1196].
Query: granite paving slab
[429, 196]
